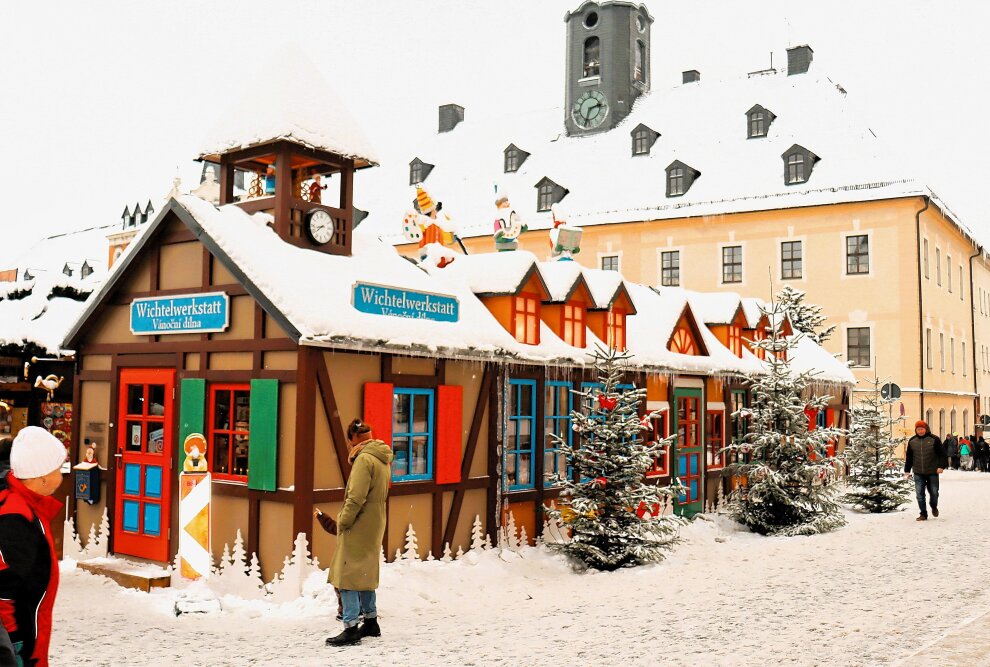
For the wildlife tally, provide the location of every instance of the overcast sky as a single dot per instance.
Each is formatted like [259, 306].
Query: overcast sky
[103, 103]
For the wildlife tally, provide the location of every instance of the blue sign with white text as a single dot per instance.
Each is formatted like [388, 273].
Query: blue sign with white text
[381, 300]
[191, 313]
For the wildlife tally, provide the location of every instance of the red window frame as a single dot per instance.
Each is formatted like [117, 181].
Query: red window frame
[714, 439]
[658, 431]
[574, 325]
[526, 318]
[231, 432]
[735, 340]
[615, 329]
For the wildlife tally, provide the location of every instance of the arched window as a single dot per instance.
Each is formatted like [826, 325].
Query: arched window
[952, 421]
[941, 423]
[592, 60]
[965, 424]
[928, 417]
[683, 343]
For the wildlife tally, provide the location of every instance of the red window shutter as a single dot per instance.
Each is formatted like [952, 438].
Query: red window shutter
[378, 410]
[812, 418]
[830, 421]
[449, 430]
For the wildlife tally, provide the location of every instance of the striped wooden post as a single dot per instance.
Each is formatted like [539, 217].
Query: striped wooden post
[194, 525]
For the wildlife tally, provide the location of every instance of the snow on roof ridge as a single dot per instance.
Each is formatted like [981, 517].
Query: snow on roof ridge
[295, 102]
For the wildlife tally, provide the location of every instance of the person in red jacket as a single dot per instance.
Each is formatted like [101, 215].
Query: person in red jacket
[28, 565]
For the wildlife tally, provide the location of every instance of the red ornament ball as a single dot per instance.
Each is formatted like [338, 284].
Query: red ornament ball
[601, 481]
[606, 403]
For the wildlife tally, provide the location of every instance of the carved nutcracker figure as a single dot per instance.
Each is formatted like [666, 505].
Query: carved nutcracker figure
[508, 226]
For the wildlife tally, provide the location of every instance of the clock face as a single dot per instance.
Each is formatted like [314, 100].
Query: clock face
[590, 109]
[319, 226]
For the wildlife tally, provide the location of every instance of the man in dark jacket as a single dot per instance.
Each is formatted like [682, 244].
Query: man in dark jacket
[952, 451]
[982, 453]
[925, 455]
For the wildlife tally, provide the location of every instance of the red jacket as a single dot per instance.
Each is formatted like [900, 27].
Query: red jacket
[28, 569]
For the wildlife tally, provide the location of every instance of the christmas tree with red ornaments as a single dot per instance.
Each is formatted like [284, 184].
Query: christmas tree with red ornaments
[610, 508]
[789, 480]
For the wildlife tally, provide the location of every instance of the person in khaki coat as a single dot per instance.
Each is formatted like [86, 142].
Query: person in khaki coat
[360, 528]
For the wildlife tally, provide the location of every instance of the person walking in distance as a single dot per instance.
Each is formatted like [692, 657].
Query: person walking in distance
[952, 451]
[360, 529]
[966, 455]
[925, 456]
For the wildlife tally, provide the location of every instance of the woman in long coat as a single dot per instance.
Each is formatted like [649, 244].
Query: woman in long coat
[360, 529]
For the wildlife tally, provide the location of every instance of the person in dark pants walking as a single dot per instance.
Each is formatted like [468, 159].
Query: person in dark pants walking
[952, 451]
[925, 456]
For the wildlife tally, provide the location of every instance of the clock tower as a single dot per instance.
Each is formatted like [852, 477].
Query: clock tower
[297, 147]
[608, 63]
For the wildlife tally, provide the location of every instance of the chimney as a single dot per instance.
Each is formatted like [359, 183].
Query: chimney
[691, 76]
[799, 59]
[450, 116]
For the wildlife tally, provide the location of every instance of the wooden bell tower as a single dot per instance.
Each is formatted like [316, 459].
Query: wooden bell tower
[299, 187]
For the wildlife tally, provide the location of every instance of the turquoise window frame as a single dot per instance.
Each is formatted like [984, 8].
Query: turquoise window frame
[551, 420]
[410, 433]
[513, 440]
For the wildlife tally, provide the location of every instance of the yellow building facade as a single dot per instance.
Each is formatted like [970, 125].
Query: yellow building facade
[911, 291]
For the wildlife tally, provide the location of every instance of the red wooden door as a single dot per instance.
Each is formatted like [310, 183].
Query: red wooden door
[145, 444]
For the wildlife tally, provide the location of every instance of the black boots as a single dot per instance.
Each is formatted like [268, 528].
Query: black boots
[370, 628]
[349, 636]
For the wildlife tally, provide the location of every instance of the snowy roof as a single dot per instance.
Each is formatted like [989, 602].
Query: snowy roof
[605, 286]
[293, 102]
[491, 274]
[701, 124]
[50, 255]
[562, 279]
[272, 270]
[715, 308]
[752, 308]
[41, 311]
[809, 356]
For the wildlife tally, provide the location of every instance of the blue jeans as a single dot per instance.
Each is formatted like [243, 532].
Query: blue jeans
[357, 603]
[921, 482]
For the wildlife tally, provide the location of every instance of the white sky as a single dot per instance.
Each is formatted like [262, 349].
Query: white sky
[101, 103]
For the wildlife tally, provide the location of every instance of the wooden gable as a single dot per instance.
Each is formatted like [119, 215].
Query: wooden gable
[686, 337]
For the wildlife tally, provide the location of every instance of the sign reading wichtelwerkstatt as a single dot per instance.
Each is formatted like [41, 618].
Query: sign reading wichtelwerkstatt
[383, 300]
[188, 313]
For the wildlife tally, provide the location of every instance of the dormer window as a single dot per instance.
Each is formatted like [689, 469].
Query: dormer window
[86, 270]
[758, 121]
[798, 164]
[643, 139]
[514, 158]
[615, 329]
[28, 275]
[67, 270]
[548, 193]
[526, 318]
[125, 217]
[418, 171]
[574, 324]
[592, 61]
[735, 340]
[680, 177]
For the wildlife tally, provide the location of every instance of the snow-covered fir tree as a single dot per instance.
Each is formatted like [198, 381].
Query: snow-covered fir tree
[790, 482]
[875, 482]
[805, 317]
[608, 485]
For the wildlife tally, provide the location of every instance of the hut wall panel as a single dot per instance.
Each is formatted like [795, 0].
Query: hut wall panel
[181, 266]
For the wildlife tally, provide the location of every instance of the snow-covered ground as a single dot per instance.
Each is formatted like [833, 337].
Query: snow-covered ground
[883, 590]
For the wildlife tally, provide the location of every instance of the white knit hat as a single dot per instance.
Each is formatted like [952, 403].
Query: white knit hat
[35, 453]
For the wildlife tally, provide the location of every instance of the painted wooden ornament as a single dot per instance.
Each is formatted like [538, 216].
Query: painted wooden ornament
[607, 403]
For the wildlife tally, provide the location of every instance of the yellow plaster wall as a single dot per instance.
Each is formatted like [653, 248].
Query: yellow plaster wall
[283, 361]
[231, 361]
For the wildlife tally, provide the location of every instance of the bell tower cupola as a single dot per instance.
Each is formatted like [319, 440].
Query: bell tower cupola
[297, 148]
[608, 63]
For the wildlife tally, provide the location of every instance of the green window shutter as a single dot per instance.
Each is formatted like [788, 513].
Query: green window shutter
[263, 452]
[192, 406]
